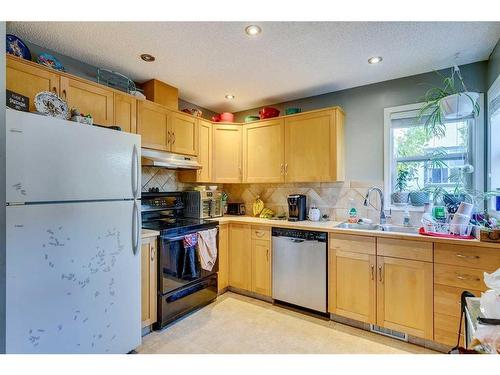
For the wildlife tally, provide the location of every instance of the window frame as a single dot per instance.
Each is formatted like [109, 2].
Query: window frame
[411, 111]
[493, 93]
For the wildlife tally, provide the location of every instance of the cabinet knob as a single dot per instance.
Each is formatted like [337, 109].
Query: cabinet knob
[467, 277]
[373, 271]
[380, 273]
[467, 256]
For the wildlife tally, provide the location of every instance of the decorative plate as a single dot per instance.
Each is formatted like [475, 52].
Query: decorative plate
[48, 103]
[16, 47]
[50, 61]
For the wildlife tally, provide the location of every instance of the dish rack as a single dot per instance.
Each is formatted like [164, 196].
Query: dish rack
[115, 80]
[447, 228]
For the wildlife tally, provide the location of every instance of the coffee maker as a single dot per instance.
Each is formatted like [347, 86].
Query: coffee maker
[296, 207]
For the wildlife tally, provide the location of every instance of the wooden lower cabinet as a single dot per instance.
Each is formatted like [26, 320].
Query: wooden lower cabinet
[148, 280]
[223, 274]
[405, 296]
[240, 267]
[250, 258]
[261, 267]
[352, 285]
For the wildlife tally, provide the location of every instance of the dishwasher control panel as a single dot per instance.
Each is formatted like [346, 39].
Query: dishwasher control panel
[300, 234]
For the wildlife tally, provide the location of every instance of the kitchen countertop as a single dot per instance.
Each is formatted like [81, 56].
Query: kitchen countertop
[146, 233]
[330, 226]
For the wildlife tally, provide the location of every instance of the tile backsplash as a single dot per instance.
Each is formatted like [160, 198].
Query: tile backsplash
[333, 199]
[161, 178]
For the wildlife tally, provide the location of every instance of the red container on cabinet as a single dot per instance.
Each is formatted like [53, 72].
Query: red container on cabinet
[268, 112]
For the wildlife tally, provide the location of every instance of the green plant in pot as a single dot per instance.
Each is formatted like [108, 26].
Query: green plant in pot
[451, 101]
[400, 195]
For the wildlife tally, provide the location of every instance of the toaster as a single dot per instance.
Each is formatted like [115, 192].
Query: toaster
[236, 208]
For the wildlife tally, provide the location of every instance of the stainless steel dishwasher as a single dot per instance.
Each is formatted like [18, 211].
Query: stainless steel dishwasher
[299, 268]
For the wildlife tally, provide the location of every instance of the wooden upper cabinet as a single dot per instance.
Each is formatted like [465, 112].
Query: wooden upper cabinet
[125, 115]
[152, 125]
[184, 133]
[28, 80]
[89, 98]
[405, 296]
[240, 267]
[314, 146]
[204, 151]
[227, 153]
[263, 151]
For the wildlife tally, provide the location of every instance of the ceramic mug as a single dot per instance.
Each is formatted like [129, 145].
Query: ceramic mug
[314, 214]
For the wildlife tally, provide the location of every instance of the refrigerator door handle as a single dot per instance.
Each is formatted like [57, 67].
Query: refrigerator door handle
[135, 172]
[136, 228]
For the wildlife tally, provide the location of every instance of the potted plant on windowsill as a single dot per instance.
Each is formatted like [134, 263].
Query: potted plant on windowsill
[419, 197]
[400, 196]
[452, 101]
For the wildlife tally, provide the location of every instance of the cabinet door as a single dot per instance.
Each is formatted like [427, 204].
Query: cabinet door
[184, 133]
[205, 151]
[312, 144]
[125, 108]
[223, 274]
[352, 285]
[148, 281]
[404, 296]
[261, 267]
[227, 153]
[239, 256]
[89, 98]
[152, 125]
[28, 80]
[263, 151]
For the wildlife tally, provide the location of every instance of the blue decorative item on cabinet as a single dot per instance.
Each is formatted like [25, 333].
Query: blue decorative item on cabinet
[15, 46]
[46, 59]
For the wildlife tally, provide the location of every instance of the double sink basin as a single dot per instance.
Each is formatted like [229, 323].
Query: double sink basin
[380, 227]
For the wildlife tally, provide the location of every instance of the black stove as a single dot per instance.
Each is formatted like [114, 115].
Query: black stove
[179, 291]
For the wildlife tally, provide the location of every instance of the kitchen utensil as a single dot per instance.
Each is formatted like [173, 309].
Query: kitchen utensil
[314, 214]
[251, 118]
[268, 112]
[16, 47]
[48, 103]
[292, 111]
[46, 59]
[212, 187]
[226, 117]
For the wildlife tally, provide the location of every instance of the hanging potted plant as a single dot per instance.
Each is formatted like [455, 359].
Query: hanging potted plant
[400, 196]
[450, 102]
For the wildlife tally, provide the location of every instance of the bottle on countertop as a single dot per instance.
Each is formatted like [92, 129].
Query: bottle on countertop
[353, 212]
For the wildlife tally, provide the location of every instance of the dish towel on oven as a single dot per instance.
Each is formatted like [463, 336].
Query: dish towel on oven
[207, 248]
[190, 266]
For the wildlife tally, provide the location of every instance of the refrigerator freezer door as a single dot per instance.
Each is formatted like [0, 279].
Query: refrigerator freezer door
[52, 160]
[73, 280]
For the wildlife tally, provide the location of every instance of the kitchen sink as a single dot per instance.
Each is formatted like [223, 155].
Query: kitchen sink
[383, 227]
[398, 228]
[361, 226]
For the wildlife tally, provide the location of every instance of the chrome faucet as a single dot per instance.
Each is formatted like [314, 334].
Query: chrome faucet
[383, 218]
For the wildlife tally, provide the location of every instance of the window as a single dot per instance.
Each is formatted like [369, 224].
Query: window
[431, 162]
[494, 138]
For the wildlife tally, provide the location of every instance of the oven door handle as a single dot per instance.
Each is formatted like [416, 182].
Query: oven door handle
[178, 238]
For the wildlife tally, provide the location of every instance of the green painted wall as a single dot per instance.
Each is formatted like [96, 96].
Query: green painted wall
[364, 108]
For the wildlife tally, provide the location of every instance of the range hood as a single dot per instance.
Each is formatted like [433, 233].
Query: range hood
[162, 159]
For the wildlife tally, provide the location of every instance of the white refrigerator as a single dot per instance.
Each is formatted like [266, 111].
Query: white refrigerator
[73, 237]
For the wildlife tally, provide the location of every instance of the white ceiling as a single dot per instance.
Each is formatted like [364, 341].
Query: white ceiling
[289, 60]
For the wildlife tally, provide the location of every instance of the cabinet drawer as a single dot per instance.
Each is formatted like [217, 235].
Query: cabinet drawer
[447, 299]
[261, 233]
[461, 277]
[446, 329]
[353, 244]
[406, 249]
[467, 256]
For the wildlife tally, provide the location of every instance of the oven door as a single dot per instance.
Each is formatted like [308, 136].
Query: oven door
[179, 266]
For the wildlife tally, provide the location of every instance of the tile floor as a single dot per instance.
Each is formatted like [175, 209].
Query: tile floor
[239, 324]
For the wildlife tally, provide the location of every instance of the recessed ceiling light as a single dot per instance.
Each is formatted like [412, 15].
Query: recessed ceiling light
[147, 57]
[253, 30]
[229, 96]
[375, 59]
